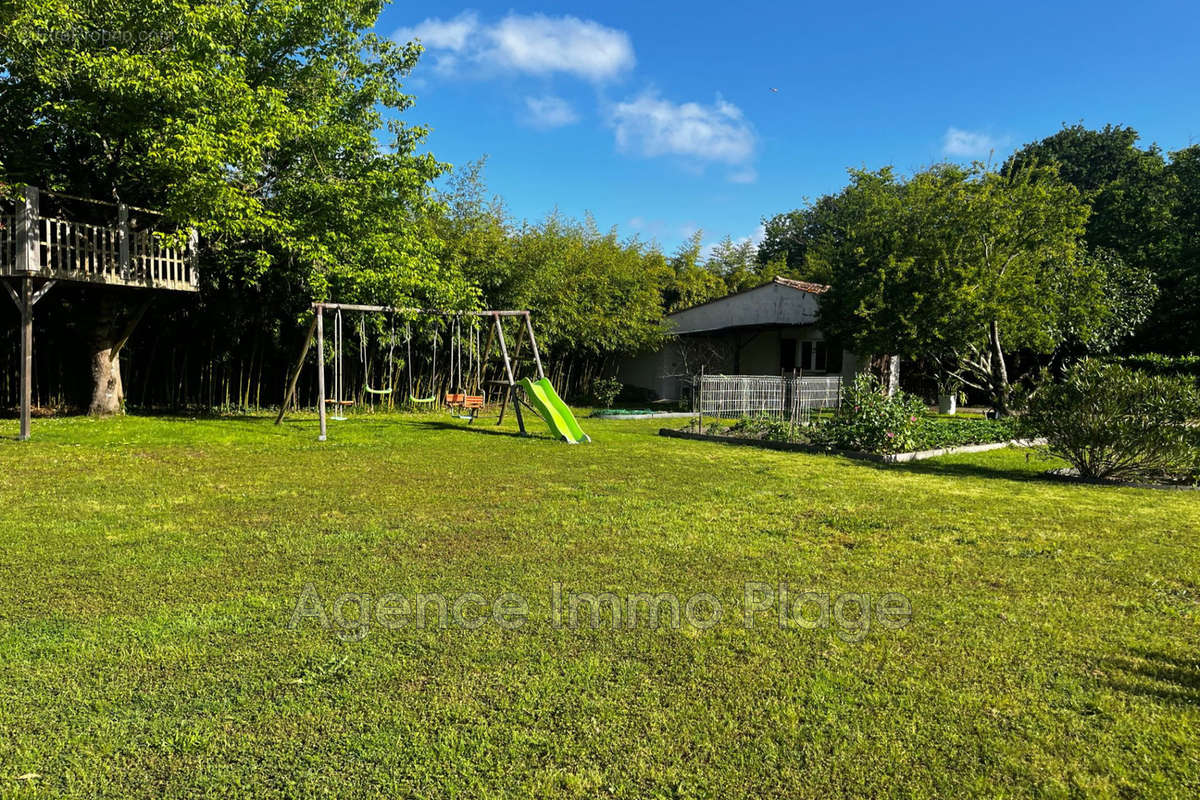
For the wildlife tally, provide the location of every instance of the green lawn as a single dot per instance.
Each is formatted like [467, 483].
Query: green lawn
[152, 566]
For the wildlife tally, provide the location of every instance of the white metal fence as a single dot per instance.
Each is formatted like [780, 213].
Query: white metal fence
[790, 399]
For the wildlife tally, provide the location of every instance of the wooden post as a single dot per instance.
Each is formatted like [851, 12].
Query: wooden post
[25, 299]
[193, 257]
[321, 369]
[123, 240]
[537, 357]
[295, 376]
[26, 307]
[514, 358]
[29, 249]
[512, 381]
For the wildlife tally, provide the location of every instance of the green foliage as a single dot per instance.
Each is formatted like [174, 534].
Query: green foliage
[253, 122]
[594, 296]
[954, 262]
[870, 421]
[937, 432]
[605, 391]
[735, 264]
[690, 283]
[791, 238]
[1128, 291]
[731, 266]
[1176, 321]
[1144, 209]
[1110, 421]
[766, 428]
[1160, 364]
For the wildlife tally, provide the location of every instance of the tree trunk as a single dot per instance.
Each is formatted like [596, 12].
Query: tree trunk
[887, 369]
[999, 371]
[108, 337]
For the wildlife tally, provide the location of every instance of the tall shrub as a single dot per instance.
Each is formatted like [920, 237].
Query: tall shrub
[1109, 421]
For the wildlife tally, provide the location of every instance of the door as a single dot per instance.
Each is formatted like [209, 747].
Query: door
[787, 356]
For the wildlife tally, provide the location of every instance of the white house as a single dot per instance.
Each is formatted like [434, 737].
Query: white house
[768, 330]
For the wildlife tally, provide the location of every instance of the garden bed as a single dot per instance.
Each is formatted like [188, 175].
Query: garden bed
[879, 458]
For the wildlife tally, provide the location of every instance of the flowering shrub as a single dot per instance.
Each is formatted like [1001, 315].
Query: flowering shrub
[871, 421]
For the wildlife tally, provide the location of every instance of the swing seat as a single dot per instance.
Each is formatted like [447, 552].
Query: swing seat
[412, 399]
[336, 402]
[465, 400]
[369, 390]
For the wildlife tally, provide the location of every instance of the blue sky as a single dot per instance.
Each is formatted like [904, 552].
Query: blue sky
[659, 117]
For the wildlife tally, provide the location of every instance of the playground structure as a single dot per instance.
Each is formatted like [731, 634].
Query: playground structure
[96, 242]
[537, 395]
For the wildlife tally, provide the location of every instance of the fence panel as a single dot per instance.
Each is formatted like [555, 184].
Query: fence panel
[785, 398]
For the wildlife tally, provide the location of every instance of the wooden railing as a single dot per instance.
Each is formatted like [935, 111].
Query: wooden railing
[8, 240]
[63, 249]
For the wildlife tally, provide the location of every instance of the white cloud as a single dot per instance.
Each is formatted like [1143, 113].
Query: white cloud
[651, 126]
[438, 34]
[533, 44]
[549, 111]
[969, 144]
[542, 45]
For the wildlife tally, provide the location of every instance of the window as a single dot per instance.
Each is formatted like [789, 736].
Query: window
[814, 357]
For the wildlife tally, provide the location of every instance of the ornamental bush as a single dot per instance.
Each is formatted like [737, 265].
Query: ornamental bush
[869, 420]
[1110, 421]
[605, 391]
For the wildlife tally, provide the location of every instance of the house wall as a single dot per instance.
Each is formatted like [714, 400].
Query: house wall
[735, 335]
[757, 353]
[770, 304]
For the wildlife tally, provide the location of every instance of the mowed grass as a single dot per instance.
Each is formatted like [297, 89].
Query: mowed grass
[151, 568]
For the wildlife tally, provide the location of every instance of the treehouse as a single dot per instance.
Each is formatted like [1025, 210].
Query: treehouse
[49, 237]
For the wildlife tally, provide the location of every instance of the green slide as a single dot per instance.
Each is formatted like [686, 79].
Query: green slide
[554, 411]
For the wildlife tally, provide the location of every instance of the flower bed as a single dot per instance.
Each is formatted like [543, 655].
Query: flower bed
[808, 447]
[868, 421]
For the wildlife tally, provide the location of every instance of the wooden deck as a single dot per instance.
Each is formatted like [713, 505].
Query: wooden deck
[57, 249]
[37, 251]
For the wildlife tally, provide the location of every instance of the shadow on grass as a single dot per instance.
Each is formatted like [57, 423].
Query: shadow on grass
[1035, 473]
[486, 429]
[1163, 677]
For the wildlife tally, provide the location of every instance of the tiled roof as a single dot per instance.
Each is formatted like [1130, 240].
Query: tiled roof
[804, 286]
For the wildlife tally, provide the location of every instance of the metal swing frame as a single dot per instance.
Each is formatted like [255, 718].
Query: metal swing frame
[511, 388]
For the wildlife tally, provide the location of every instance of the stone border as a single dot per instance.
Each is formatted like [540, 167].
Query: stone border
[649, 415]
[890, 458]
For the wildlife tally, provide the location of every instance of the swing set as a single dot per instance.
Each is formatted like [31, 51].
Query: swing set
[465, 395]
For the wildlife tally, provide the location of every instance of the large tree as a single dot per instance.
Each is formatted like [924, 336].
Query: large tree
[1178, 312]
[1139, 214]
[253, 121]
[959, 262]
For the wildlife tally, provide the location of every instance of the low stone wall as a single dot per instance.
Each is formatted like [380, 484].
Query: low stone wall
[890, 458]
